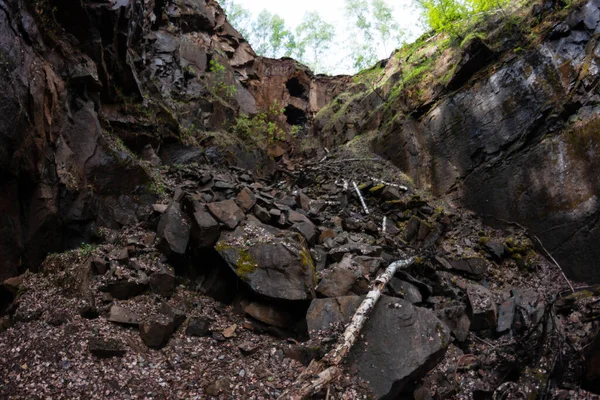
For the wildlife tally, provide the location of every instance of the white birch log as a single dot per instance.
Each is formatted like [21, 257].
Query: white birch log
[362, 200]
[384, 226]
[404, 188]
[320, 373]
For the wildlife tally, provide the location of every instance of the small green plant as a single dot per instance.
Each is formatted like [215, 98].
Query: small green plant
[262, 127]
[87, 249]
[217, 85]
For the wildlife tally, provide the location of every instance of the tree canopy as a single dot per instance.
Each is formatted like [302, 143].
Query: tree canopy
[371, 31]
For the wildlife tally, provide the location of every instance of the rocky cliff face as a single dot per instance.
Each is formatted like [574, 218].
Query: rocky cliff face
[93, 92]
[235, 214]
[506, 128]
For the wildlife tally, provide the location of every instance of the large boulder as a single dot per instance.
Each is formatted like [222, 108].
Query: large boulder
[398, 345]
[272, 262]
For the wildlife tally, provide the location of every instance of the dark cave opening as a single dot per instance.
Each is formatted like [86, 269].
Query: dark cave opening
[296, 89]
[295, 116]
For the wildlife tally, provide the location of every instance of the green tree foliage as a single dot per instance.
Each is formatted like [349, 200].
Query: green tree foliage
[446, 15]
[486, 5]
[442, 15]
[270, 36]
[237, 16]
[373, 28]
[313, 38]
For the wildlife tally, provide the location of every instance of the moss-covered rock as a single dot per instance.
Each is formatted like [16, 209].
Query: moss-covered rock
[272, 262]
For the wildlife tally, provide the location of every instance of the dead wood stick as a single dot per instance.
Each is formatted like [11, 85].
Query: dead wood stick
[362, 200]
[322, 372]
[355, 160]
[401, 187]
[555, 263]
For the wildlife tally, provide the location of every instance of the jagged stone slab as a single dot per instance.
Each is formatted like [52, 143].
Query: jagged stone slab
[227, 212]
[174, 230]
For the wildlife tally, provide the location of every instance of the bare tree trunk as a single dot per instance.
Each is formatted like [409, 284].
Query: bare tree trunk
[320, 373]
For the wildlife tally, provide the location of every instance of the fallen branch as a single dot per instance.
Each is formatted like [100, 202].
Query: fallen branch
[403, 188]
[320, 373]
[555, 263]
[355, 160]
[384, 226]
[362, 200]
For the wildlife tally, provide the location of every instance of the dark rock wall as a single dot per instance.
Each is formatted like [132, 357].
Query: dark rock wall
[520, 143]
[85, 89]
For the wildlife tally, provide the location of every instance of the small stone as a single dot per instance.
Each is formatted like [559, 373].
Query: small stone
[198, 327]
[119, 254]
[246, 199]
[482, 309]
[106, 348]
[156, 331]
[162, 282]
[230, 332]
[160, 208]
[219, 386]
[122, 316]
[248, 348]
[268, 314]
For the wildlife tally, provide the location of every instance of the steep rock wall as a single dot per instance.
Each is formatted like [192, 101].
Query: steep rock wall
[90, 91]
[520, 142]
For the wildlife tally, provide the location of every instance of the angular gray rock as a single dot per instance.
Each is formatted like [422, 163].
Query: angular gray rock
[227, 212]
[324, 313]
[122, 316]
[405, 290]
[198, 327]
[269, 314]
[506, 315]
[272, 262]
[338, 279]
[157, 330]
[174, 230]
[205, 229]
[124, 289]
[455, 318]
[162, 282]
[482, 308]
[106, 347]
[473, 267]
[308, 230]
[245, 199]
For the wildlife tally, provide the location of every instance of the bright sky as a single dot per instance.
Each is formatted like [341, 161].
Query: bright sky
[332, 11]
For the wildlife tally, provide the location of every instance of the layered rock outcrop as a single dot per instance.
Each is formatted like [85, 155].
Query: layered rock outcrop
[90, 89]
[512, 134]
